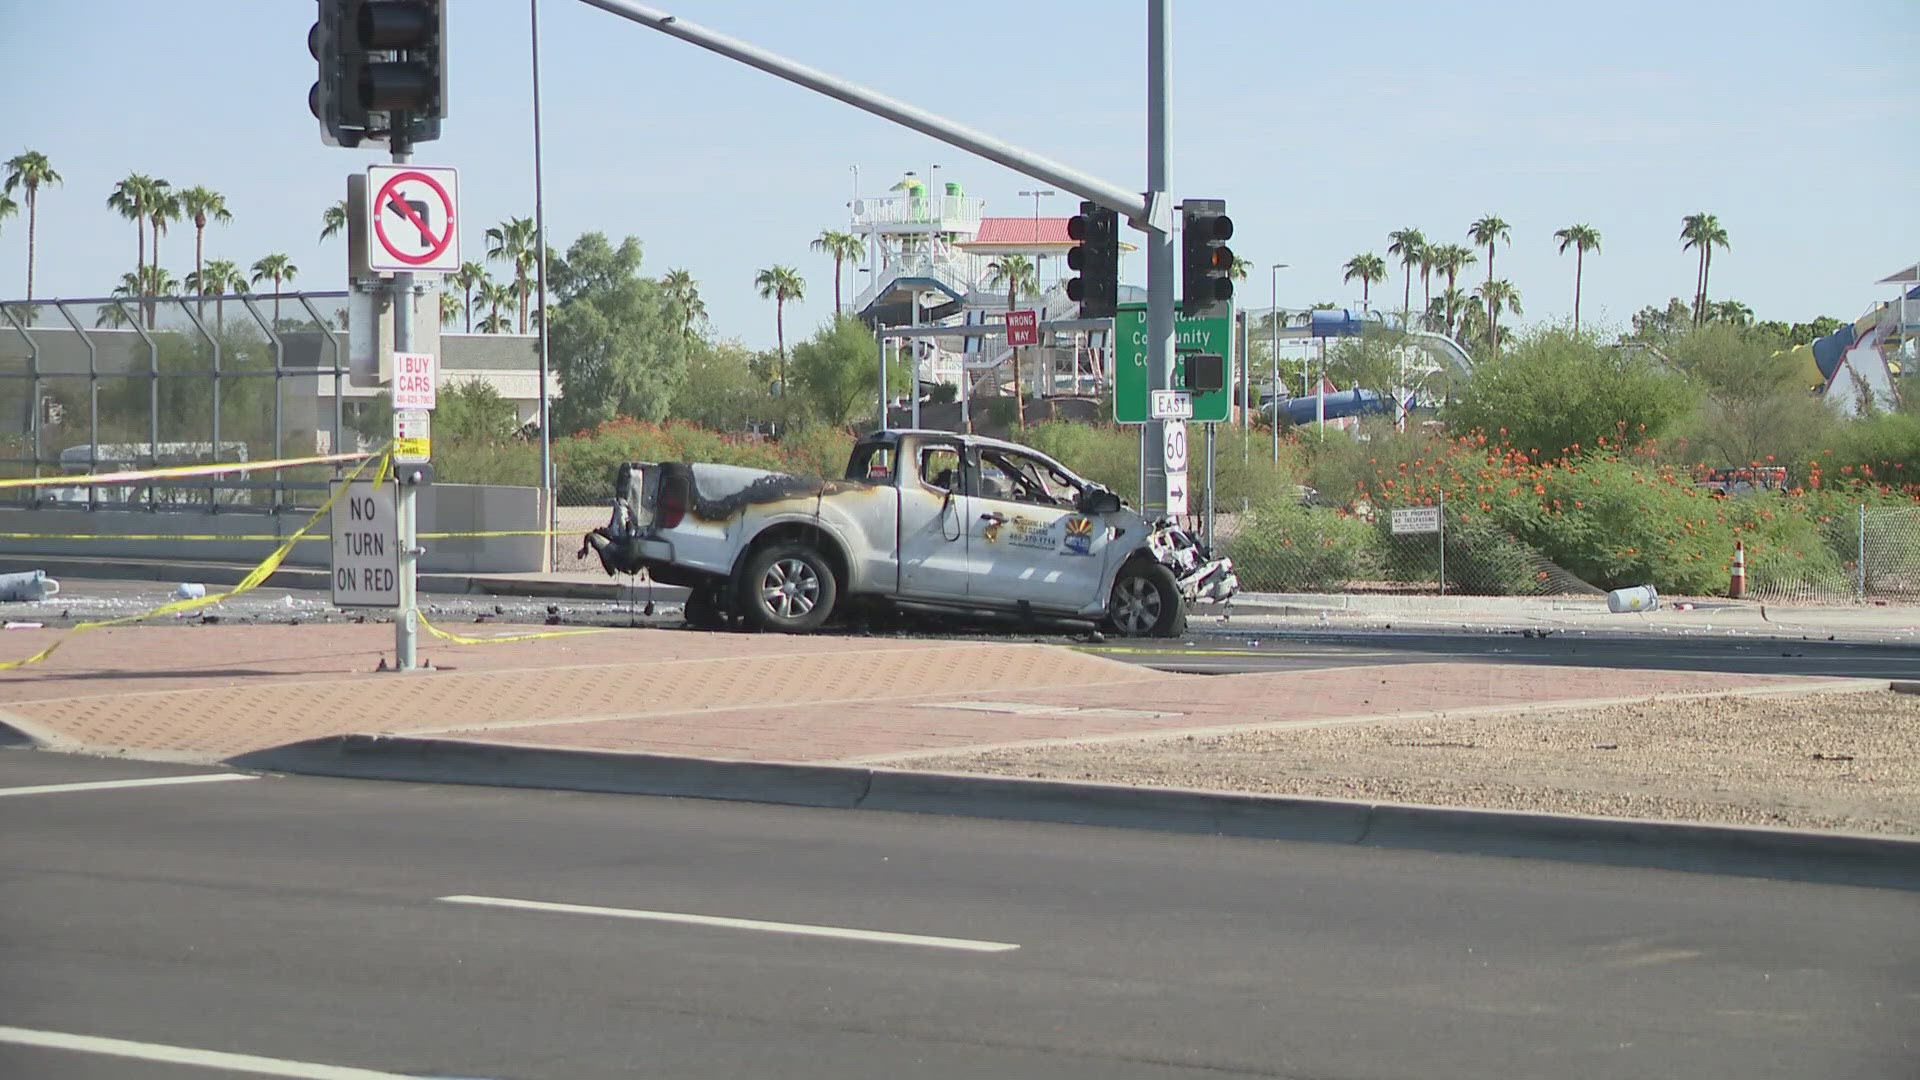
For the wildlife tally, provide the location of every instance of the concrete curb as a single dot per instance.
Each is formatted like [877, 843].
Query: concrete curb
[1839, 858]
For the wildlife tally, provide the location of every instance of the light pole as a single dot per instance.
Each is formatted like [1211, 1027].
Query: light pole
[1036, 227]
[1273, 353]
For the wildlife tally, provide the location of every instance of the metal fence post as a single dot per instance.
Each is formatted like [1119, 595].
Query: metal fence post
[1860, 559]
[1442, 500]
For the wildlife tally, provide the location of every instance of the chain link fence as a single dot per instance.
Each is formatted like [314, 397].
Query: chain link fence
[118, 384]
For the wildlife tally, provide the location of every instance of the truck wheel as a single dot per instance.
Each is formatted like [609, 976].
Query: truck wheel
[704, 610]
[1146, 602]
[787, 587]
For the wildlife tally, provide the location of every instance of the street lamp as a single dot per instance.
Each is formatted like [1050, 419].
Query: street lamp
[1273, 353]
[1036, 227]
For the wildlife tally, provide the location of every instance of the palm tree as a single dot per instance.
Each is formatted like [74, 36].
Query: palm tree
[27, 171]
[1369, 268]
[450, 307]
[684, 294]
[1017, 273]
[1488, 231]
[1450, 259]
[143, 286]
[512, 242]
[780, 284]
[1730, 311]
[217, 278]
[132, 197]
[1701, 231]
[494, 295]
[1582, 239]
[279, 268]
[202, 205]
[1451, 303]
[8, 208]
[162, 212]
[469, 277]
[333, 219]
[1409, 244]
[842, 246]
[1500, 296]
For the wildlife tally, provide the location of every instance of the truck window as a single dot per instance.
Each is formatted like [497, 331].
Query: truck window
[872, 462]
[940, 467]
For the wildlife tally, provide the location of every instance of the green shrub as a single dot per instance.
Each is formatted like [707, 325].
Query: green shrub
[1285, 547]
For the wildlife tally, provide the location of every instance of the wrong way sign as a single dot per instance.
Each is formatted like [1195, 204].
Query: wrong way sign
[412, 218]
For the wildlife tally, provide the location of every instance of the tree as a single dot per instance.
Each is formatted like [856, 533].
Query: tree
[1410, 245]
[1369, 268]
[162, 212]
[8, 208]
[1582, 239]
[1730, 311]
[1450, 259]
[202, 204]
[1488, 231]
[278, 268]
[1702, 231]
[1658, 326]
[133, 197]
[333, 219]
[28, 171]
[1755, 401]
[471, 412]
[841, 246]
[450, 308]
[616, 340]
[469, 277]
[780, 284]
[513, 242]
[495, 295]
[1017, 273]
[217, 278]
[722, 390]
[1554, 389]
[833, 371]
[684, 294]
[1499, 296]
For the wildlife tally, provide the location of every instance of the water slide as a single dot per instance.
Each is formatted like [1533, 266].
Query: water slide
[1855, 361]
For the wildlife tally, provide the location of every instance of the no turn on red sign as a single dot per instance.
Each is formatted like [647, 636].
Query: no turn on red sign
[412, 218]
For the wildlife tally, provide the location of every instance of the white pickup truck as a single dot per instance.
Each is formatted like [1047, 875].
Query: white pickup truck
[922, 518]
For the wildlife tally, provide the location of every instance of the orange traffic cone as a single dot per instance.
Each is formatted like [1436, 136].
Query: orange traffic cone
[1737, 584]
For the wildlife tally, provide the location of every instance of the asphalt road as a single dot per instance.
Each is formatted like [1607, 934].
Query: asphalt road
[308, 921]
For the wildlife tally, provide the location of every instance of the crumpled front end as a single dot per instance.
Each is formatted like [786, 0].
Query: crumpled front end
[1201, 577]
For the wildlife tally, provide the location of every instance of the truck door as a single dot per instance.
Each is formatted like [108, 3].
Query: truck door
[1025, 541]
[933, 535]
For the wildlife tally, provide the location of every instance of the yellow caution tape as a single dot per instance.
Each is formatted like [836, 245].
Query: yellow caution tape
[274, 537]
[253, 579]
[462, 639]
[172, 471]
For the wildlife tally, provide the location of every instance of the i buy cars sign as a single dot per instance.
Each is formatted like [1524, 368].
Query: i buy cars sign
[415, 381]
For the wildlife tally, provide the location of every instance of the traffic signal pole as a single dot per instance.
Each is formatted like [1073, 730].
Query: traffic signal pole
[1160, 270]
[406, 623]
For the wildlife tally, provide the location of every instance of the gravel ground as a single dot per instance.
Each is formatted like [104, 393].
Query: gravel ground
[1848, 762]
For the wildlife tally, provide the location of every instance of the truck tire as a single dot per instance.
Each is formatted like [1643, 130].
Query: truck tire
[1146, 602]
[788, 588]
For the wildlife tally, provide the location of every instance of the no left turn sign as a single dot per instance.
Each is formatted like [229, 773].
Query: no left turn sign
[412, 218]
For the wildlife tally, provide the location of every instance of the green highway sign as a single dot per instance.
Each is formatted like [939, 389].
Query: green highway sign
[1213, 335]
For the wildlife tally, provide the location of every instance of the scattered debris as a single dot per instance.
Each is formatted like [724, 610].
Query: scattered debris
[25, 625]
[189, 590]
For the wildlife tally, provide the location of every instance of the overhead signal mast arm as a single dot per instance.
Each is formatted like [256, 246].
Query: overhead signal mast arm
[1130, 203]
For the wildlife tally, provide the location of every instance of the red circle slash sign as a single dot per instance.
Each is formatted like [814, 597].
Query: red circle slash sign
[390, 198]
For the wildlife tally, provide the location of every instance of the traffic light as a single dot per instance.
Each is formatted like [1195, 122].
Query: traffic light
[1204, 373]
[1096, 257]
[1206, 278]
[383, 70]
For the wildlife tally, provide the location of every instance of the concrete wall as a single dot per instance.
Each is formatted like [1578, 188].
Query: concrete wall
[443, 508]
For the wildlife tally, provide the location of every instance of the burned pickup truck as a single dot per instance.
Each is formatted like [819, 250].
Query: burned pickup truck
[922, 519]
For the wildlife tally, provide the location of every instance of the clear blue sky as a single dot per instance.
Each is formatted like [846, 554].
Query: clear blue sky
[1323, 127]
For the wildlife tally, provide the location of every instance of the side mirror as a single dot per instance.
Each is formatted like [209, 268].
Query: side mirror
[1097, 500]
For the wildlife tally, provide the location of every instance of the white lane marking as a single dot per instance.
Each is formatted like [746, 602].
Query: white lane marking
[102, 785]
[187, 1055]
[802, 929]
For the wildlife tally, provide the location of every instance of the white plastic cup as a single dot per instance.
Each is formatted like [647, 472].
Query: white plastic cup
[189, 590]
[1637, 598]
